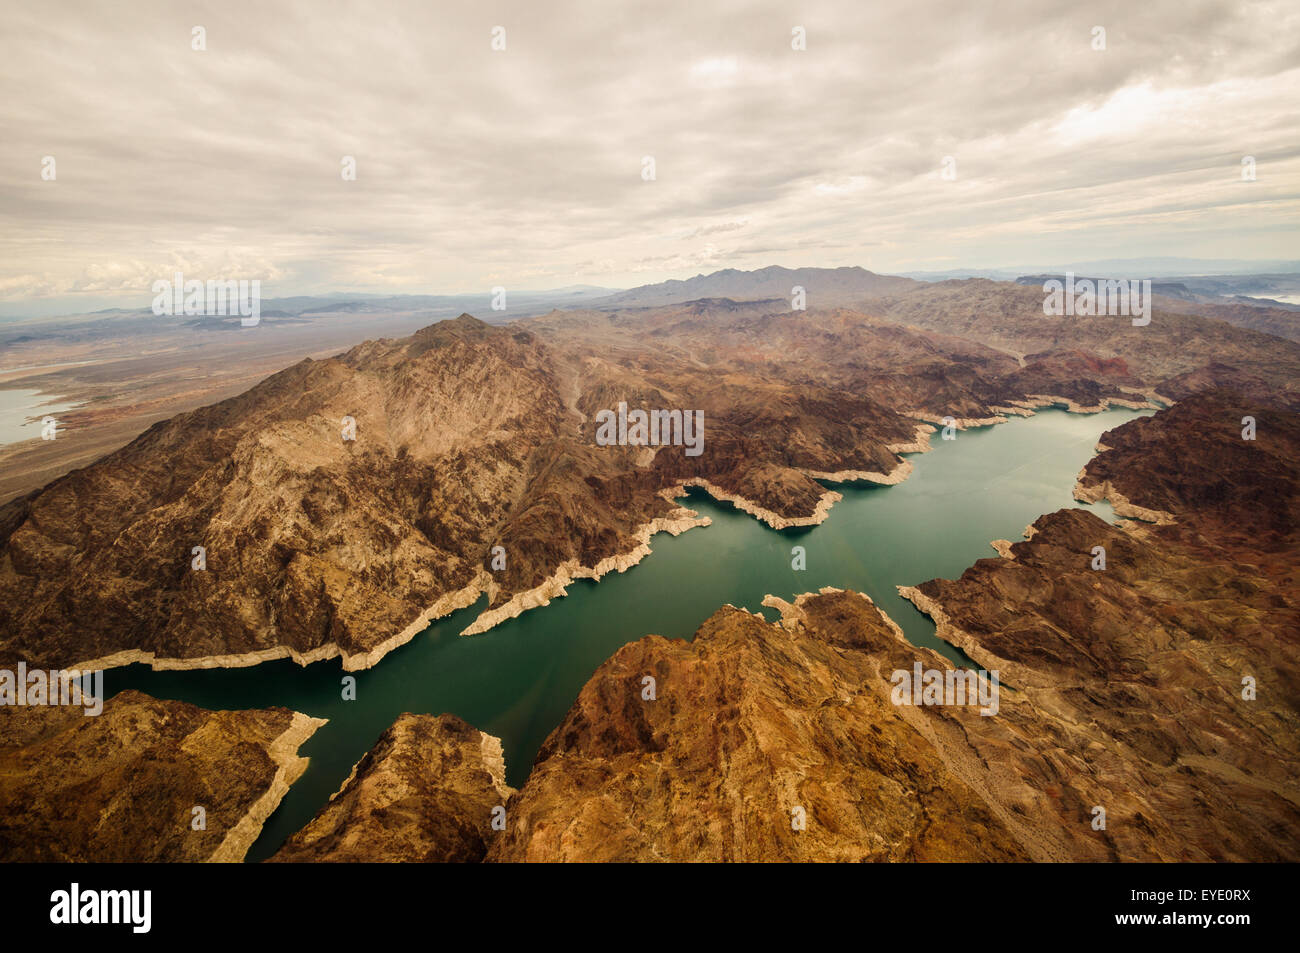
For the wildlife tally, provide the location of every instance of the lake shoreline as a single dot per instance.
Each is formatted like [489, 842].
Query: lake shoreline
[678, 521]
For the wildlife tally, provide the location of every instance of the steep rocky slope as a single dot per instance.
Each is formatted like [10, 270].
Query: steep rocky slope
[424, 793]
[317, 545]
[1237, 496]
[754, 729]
[123, 785]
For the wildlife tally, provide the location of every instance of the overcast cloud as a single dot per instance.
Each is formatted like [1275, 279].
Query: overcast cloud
[523, 167]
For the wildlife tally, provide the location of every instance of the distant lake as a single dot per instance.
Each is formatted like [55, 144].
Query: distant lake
[518, 680]
[19, 407]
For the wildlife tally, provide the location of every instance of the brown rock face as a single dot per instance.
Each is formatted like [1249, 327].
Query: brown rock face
[753, 728]
[1129, 688]
[122, 785]
[1192, 461]
[424, 793]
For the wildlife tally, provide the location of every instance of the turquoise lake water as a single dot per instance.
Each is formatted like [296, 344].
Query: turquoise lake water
[518, 680]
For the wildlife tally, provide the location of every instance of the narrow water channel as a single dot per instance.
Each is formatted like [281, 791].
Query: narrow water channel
[519, 679]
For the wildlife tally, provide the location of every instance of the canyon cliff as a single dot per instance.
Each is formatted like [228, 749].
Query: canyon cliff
[425, 793]
[124, 785]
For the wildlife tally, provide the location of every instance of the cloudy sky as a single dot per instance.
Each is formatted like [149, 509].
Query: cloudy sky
[523, 167]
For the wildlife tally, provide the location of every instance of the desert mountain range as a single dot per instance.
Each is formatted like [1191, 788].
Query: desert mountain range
[470, 436]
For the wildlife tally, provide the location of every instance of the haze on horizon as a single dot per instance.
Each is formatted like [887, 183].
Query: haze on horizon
[523, 167]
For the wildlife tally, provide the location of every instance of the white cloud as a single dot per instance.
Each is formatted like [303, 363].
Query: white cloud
[527, 163]
[715, 72]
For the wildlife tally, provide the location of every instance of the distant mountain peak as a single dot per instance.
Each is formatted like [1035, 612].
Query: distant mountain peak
[846, 284]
